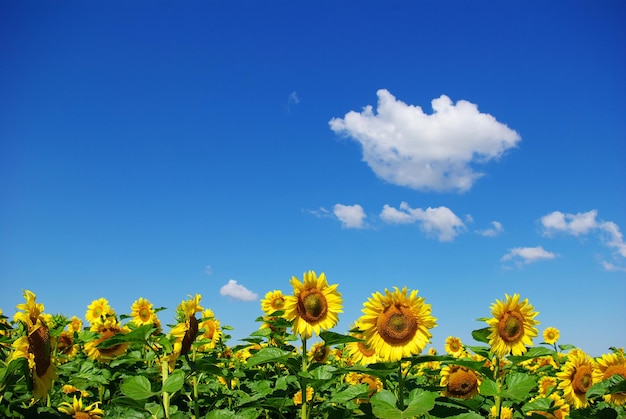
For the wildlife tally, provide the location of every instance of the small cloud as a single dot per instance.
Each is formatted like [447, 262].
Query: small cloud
[208, 270]
[608, 266]
[495, 230]
[238, 292]
[440, 222]
[526, 255]
[293, 98]
[350, 216]
[321, 212]
[438, 151]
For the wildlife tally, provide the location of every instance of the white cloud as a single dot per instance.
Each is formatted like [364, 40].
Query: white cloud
[608, 266]
[293, 98]
[237, 291]
[495, 229]
[351, 216]
[208, 270]
[526, 255]
[405, 146]
[582, 224]
[441, 221]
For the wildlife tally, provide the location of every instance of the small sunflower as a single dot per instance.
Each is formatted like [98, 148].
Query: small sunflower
[459, 382]
[546, 385]
[360, 352]
[505, 412]
[576, 377]
[512, 326]
[66, 348]
[273, 301]
[319, 353]
[551, 335]
[106, 330]
[397, 324]
[98, 309]
[75, 325]
[211, 329]
[142, 312]
[297, 398]
[77, 411]
[454, 346]
[70, 390]
[314, 306]
[606, 366]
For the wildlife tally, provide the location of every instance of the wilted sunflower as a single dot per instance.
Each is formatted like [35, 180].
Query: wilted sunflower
[106, 329]
[97, 310]
[77, 411]
[512, 326]
[551, 335]
[397, 324]
[606, 366]
[576, 377]
[211, 329]
[142, 312]
[360, 352]
[314, 306]
[459, 382]
[273, 301]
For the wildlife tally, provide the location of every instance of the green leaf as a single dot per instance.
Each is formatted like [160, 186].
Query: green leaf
[488, 388]
[419, 403]
[481, 335]
[468, 415]
[266, 355]
[140, 334]
[174, 381]
[221, 414]
[332, 338]
[137, 387]
[519, 386]
[352, 392]
[532, 353]
[614, 384]
[323, 372]
[541, 405]
[384, 405]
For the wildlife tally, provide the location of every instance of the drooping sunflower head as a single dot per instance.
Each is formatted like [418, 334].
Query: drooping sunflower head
[607, 366]
[576, 377]
[551, 335]
[76, 409]
[98, 311]
[459, 382]
[273, 302]
[142, 312]
[512, 326]
[397, 324]
[314, 306]
[45, 370]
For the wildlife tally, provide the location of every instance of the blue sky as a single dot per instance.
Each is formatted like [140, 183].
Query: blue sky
[464, 149]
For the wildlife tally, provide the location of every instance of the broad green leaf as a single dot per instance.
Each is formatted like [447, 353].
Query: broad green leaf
[266, 355]
[352, 392]
[221, 414]
[419, 403]
[323, 372]
[614, 384]
[384, 405]
[140, 334]
[332, 338]
[481, 335]
[174, 381]
[488, 388]
[468, 415]
[137, 387]
[531, 353]
[519, 385]
[541, 405]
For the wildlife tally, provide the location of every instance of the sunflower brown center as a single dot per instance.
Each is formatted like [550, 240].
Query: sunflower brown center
[39, 346]
[81, 415]
[511, 326]
[278, 303]
[312, 306]
[366, 349]
[462, 383]
[397, 325]
[582, 380]
[145, 314]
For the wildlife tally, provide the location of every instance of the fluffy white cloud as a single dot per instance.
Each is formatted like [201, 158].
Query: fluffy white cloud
[495, 229]
[584, 223]
[441, 221]
[405, 146]
[238, 292]
[351, 216]
[526, 255]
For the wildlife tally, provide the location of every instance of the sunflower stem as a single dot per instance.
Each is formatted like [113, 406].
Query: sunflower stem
[303, 383]
[400, 387]
[497, 397]
[165, 394]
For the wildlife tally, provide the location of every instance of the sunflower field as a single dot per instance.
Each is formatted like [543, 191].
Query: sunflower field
[295, 366]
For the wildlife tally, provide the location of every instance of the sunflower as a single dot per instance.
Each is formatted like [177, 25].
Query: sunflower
[314, 306]
[512, 326]
[459, 382]
[454, 346]
[397, 324]
[505, 412]
[319, 353]
[297, 398]
[70, 390]
[561, 411]
[187, 328]
[576, 377]
[551, 335]
[75, 325]
[32, 311]
[142, 312]
[374, 384]
[606, 366]
[106, 329]
[273, 301]
[211, 329]
[360, 352]
[66, 348]
[546, 385]
[98, 309]
[77, 411]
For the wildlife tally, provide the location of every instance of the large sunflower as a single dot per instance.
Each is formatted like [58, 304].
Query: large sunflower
[459, 382]
[314, 306]
[576, 377]
[273, 301]
[608, 365]
[76, 409]
[397, 324]
[512, 326]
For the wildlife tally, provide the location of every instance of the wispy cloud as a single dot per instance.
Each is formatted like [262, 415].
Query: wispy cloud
[585, 223]
[208, 270]
[350, 216]
[407, 147]
[440, 222]
[293, 98]
[493, 231]
[526, 255]
[238, 292]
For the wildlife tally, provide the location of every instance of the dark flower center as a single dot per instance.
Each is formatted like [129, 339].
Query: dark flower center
[511, 326]
[397, 325]
[312, 306]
